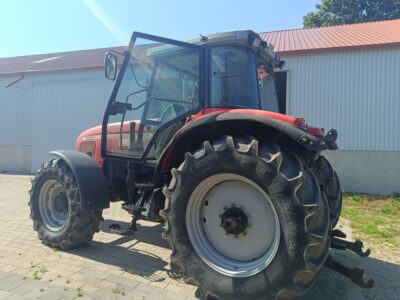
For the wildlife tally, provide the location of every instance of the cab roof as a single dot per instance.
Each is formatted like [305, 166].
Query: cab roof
[241, 37]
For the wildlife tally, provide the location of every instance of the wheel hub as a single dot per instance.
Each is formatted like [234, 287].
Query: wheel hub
[60, 203]
[234, 221]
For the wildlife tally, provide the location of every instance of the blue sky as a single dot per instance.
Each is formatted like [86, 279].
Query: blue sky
[46, 26]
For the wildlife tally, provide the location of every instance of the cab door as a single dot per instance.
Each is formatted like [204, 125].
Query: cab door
[157, 87]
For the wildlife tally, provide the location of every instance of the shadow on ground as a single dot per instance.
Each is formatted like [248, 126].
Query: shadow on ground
[329, 284]
[127, 257]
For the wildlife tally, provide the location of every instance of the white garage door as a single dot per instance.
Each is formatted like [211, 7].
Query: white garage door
[15, 159]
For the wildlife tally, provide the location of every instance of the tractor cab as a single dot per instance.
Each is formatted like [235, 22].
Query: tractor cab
[163, 82]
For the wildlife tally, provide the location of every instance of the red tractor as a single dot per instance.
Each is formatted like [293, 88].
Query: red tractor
[194, 133]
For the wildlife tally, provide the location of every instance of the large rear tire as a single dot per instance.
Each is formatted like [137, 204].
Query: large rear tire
[56, 210]
[230, 199]
[330, 187]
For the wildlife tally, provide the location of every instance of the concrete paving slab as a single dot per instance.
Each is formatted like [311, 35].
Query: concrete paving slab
[127, 267]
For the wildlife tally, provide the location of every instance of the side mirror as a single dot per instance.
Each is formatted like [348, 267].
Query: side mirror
[110, 66]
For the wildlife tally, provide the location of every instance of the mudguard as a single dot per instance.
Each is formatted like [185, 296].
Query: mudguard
[217, 124]
[93, 187]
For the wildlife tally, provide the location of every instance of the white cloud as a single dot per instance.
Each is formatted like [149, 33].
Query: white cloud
[120, 35]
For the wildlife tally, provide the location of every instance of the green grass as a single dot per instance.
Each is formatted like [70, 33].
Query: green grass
[36, 275]
[374, 219]
[116, 290]
[39, 271]
[42, 269]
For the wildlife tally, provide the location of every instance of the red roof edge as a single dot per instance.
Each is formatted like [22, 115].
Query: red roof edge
[355, 47]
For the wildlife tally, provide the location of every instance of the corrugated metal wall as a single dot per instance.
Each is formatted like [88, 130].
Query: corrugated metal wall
[48, 111]
[357, 92]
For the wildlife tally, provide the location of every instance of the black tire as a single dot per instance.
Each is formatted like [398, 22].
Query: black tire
[79, 227]
[330, 187]
[304, 219]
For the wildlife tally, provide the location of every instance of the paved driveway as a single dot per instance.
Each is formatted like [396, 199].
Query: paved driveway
[125, 267]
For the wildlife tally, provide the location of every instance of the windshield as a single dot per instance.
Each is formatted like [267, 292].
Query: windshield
[159, 83]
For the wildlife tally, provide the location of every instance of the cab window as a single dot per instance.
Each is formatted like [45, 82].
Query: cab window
[233, 78]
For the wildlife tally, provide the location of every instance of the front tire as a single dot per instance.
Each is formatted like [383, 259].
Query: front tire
[56, 210]
[294, 230]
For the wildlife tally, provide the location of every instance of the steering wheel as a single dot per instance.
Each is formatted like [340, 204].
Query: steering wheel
[173, 110]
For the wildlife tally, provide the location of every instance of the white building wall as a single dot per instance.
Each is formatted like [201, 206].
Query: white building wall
[357, 92]
[48, 111]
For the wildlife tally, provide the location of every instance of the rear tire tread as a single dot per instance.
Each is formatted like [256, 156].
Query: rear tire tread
[316, 211]
[330, 187]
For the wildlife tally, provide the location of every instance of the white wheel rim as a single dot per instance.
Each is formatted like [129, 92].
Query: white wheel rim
[249, 252]
[53, 205]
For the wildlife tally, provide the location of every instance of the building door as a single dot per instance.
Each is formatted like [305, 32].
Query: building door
[281, 87]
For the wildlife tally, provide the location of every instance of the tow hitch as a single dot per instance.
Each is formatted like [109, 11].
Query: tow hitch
[356, 274]
[356, 246]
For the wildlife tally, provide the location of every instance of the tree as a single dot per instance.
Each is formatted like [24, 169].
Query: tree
[338, 12]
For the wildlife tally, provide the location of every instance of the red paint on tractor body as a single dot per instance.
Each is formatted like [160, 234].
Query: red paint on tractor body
[267, 114]
[89, 141]
[316, 131]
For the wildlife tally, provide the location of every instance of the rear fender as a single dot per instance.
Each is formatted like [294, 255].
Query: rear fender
[93, 188]
[213, 126]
